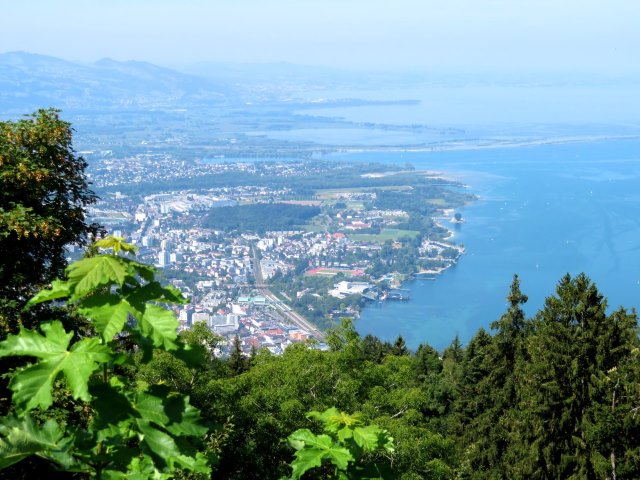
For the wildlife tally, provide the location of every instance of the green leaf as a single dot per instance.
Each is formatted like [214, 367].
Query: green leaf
[312, 449]
[367, 437]
[22, 438]
[161, 326]
[387, 442]
[145, 271]
[31, 343]
[117, 244]
[108, 312]
[111, 405]
[59, 289]
[140, 467]
[171, 410]
[32, 385]
[298, 439]
[150, 408]
[352, 441]
[198, 464]
[344, 434]
[156, 415]
[90, 273]
[184, 418]
[193, 355]
[307, 438]
[160, 443]
[333, 419]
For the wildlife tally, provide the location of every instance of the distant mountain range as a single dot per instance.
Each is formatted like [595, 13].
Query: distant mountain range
[29, 81]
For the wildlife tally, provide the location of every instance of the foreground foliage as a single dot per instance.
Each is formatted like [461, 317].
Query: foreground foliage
[137, 430]
[347, 449]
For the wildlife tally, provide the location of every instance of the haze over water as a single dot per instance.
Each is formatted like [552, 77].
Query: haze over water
[543, 211]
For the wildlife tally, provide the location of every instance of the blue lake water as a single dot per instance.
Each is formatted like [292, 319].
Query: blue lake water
[543, 211]
[492, 105]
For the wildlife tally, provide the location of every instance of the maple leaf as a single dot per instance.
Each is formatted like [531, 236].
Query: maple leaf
[32, 385]
[160, 325]
[313, 449]
[117, 244]
[108, 312]
[90, 273]
[21, 438]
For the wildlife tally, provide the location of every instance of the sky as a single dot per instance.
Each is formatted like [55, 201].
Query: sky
[586, 36]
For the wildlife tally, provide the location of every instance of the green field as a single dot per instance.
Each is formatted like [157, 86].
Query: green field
[354, 205]
[312, 227]
[383, 236]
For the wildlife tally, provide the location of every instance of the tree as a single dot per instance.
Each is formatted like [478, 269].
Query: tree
[480, 412]
[238, 362]
[488, 390]
[343, 335]
[399, 347]
[617, 426]
[491, 387]
[428, 361]
[453, 355]
[43, 196]
[374, 349]
[572, 350]
[269, 401]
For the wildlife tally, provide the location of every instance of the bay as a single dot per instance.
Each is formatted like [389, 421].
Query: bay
[543, 211]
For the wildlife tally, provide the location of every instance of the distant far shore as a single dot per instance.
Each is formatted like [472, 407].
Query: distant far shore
[483, 144]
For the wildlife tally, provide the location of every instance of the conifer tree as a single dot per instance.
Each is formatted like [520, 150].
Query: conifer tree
[427, 361]
[442, 389]
[399, 347]
[374, 349]
[471, 401]
[573, 345]
[238, 363]
[488, 391]
[454, 353]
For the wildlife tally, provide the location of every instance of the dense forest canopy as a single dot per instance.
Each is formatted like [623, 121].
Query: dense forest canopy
[260, 217]
[553, 396]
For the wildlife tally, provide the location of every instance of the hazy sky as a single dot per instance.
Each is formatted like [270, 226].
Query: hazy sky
[445, 35]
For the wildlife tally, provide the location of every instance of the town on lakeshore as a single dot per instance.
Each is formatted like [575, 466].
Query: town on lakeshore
[274, 252]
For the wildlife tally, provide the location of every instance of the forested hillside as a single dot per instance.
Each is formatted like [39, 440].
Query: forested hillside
[97, 383]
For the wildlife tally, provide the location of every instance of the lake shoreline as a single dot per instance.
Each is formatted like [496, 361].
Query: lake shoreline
[542, 212]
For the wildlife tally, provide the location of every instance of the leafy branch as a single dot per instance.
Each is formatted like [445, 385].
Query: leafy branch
[347, 449]
[135, 430]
